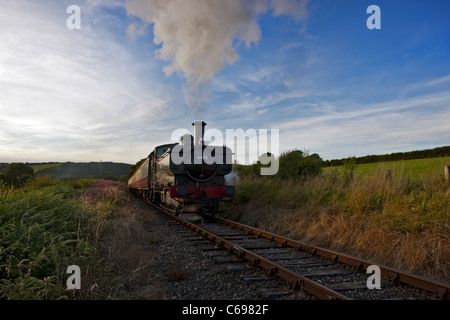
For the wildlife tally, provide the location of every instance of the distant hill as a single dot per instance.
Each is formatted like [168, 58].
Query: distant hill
[3, 165]
[77, 170]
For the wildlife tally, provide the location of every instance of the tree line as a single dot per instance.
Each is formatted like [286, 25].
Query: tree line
[17, 174]
[97, 170]
[396, 156]
[292, 164]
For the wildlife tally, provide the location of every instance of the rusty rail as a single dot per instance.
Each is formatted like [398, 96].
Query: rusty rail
[296, 281]
[438, 290]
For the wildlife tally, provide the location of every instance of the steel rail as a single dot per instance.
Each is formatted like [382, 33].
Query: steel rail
[438, 290]
[296, 281]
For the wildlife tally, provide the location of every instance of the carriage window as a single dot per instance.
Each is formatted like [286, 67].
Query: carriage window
[161, 149]
[160, 152]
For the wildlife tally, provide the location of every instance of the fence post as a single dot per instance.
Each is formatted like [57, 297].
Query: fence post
[447, 174]
[388, 174]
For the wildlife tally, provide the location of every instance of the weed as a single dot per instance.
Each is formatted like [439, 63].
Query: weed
[46, 226]
[402, 220]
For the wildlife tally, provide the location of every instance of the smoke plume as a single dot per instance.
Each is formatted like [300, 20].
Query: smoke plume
[197, 36]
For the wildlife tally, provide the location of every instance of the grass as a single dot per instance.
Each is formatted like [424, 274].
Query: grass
[403, 222]
[415, 168]
[47, 226]
[39, 167]
[40, 236]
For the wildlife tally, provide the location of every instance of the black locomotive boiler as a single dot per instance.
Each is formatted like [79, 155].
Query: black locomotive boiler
[188, 176]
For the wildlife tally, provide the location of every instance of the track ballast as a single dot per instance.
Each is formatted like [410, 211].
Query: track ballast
[325, 274]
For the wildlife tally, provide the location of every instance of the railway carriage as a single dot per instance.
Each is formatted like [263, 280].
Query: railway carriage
[188, 176]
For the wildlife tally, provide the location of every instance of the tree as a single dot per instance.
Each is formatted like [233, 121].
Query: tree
[289, 164]
[350, 164]
[16, 174]
[311, 165]
[296, 163]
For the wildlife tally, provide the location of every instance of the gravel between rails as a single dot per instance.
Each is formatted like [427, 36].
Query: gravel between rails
[160, 260]
[181, 270]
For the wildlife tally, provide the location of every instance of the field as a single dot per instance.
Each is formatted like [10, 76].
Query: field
[78, 170]
[415, 168]
[39, 167]
[402, 221]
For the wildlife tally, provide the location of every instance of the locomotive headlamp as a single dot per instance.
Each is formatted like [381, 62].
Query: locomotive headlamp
[182, 190]
[229, 191]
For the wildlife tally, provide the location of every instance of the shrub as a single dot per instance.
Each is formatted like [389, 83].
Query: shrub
[16, 174]
[295, 164]
[292, 165]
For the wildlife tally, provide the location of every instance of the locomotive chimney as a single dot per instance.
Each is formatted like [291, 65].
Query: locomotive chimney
[199, 131]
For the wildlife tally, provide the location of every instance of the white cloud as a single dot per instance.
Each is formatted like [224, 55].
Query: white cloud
[397, 125]
[136, 30]
[343, 125]
[293, 8]
[64, 93]
[438, 81]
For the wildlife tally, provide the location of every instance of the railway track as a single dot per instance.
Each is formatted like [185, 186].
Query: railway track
[322, 273]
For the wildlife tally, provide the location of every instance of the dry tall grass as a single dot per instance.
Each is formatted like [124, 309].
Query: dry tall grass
[401, 221]
[123, 247]
[48, 225]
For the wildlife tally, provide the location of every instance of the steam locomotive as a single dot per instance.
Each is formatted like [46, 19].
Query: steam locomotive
[185, 177]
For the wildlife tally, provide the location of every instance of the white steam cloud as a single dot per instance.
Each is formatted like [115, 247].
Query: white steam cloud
[197, 36]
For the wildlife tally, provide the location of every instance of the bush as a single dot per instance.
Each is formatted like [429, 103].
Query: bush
[294, 164]
[16, 174]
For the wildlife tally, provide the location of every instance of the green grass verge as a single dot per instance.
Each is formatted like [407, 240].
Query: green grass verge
[45, 227]
[403, 222]
[415, 168]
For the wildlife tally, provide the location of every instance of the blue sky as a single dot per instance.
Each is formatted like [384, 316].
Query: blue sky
[327, 82]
